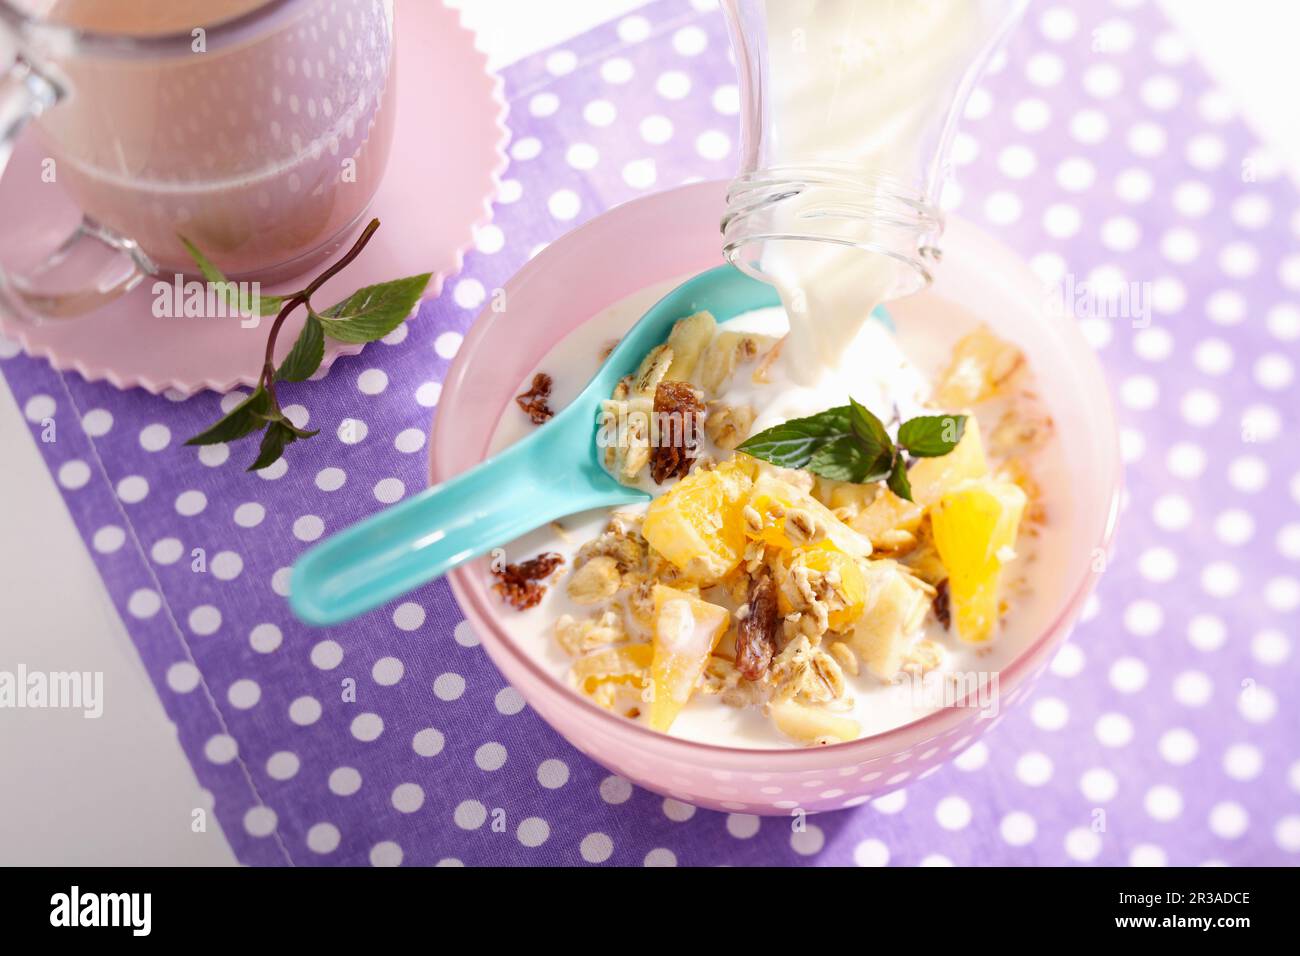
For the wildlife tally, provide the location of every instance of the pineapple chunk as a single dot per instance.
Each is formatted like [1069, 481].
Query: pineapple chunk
[931, 477]
[812, 725]
[688, 340]
[888, 625]
[981, 364]
[887, 515]
[974, 529]
[774, 499]
[699, 524]
[686, 631]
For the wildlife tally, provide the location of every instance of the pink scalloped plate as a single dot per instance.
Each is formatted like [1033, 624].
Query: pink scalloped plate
[432, 199]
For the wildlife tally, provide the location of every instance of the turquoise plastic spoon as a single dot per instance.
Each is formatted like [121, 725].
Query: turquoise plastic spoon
[536, 480]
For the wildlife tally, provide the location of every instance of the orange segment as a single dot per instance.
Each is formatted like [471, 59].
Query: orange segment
[686, 631]
[974, 529]
[931, 477]
[774, 499]
[698, 524]
[826, 558]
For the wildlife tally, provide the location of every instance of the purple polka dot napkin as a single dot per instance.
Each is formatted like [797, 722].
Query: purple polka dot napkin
[1165, 731]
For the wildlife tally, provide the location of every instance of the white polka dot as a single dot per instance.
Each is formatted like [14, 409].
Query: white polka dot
[265, 638]
[1134, 185]
[1287, 833]
[469, 293]
[490, 756]
[367, 727]
[871, 852]
[386, 853]
[596, 848]
[408, 797]
[809, 841]
[552, 774]
[428, 742]
[677, 811]
[97, 422]
[1273, 371]
[308, 527]
[249, 515]
[305, 711]
[1256, 704]
[935, 859]
[510, 191]
[1050, 713]
[323, 838]
[1099, 785]
[533, 831]
[1186, 460]
[1234, 527]
[599, 112]
[582, 156]
[183, 677]
[387, 671]
[1283, 322]
[226, 565]
[408, 616]
[1163, 803]
[449, 686]
[1206, 632]
[372, 381]
[530, 147]
[488, 239]
[132, 489]
[890, 803]
[1045, 69]
[427, 395]
[617, 70]
[509, 701]
[1243, 762]
[713, 144]
[260, 821]
[1068, 662]
[1220, 579]
[155, 437]
[952, 813]
[1089, 126]
[448, 344]
[1238, 260]
[205, 620]
[973, 757]
[726, 99]
[1178, 746]
[1228, 820]
[640, 173]
[1002, 208]
[1082, 845]
[1192, 689]
[1113, 730]
[564, 204]
[633, 29]
[327, 655]
[283, 765]
[221, 749]
[410, 440]
[1034, 769]
[389, 490]
[1018, 828]
[673, 85]
[1158, 564]
[190, 503]
[1172, 512]
[39, 408]
[244, 694]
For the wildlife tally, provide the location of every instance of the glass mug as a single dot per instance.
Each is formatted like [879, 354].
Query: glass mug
[257, 129]
[848, 110]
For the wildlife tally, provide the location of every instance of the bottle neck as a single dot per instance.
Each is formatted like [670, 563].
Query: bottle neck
[834, 205]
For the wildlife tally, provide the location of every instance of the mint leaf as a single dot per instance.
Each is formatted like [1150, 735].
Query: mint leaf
[898, 482]
[305, 356]
[248, 416]
[207, 268]
[930, 436]
[279, 435]
[870, 430]
[373, 312]
[265, 305]
[269, 305]
[793, 444]
[847, 459]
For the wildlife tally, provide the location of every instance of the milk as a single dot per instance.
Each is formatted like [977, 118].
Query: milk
[261, 153]
[886, 368]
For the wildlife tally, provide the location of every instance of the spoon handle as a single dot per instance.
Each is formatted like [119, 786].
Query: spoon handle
[425, 536]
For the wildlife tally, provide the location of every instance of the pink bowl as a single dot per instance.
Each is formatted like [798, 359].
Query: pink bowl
[673, 234]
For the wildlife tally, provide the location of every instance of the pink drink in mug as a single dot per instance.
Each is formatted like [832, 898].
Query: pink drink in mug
[258, 129]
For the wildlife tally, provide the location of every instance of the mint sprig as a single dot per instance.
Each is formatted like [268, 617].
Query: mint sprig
[366, 315]
[849, 443]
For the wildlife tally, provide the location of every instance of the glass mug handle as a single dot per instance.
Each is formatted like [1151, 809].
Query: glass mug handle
[90, 267]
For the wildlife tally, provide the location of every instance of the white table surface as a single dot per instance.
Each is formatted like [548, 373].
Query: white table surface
[119, 790]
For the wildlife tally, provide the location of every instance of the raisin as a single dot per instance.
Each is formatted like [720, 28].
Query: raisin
[520, 585]
[942, 605]
[679, 419]
[534, 402]
[756, 633]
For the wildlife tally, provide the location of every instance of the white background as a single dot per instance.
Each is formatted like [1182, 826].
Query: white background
[118, 790]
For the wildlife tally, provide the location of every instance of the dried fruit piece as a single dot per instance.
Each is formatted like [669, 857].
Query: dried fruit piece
[975, 529]
[698, 523]
[520, 585]
[679, 424]
[756, 633]
[535, 401]
[686, 631]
